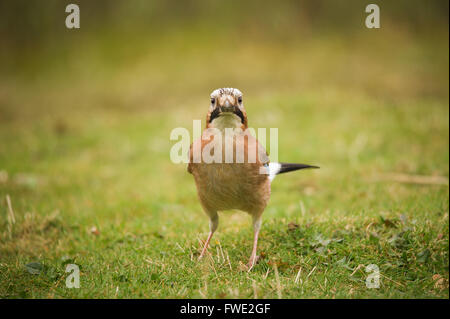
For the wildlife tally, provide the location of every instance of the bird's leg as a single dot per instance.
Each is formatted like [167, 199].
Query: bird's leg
[213, 223]
[256, 228]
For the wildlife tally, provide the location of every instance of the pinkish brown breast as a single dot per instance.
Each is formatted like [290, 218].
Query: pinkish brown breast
[224, 186]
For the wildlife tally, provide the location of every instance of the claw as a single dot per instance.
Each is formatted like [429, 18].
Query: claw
[252, 262]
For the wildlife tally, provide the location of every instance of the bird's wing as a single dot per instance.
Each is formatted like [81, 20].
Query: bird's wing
[201, 143]
[250, 144]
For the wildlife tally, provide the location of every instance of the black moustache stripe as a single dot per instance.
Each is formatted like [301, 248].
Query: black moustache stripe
[239, 113]
[216, 112]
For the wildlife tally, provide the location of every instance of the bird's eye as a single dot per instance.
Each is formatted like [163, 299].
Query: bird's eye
[240, 99]
[213, 100]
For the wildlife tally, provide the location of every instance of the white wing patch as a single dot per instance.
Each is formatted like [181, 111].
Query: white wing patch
[274, 168]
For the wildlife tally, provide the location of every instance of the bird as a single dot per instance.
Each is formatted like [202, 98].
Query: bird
[229, 183]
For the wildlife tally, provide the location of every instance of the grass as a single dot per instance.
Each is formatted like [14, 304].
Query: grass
[91, 149]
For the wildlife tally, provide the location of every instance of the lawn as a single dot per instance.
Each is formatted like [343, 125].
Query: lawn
[84, 164]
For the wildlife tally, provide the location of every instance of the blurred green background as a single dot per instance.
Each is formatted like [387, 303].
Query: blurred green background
[86, 115]
[145, 55]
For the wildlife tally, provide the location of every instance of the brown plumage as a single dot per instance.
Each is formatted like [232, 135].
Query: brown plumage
[241, 184]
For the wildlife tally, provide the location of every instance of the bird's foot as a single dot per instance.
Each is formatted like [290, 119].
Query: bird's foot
[251, 263]
[201, 255]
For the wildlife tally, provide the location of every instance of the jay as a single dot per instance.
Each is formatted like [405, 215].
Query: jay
[238, 181]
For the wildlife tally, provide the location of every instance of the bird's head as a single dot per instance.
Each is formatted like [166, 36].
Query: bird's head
[226, 109]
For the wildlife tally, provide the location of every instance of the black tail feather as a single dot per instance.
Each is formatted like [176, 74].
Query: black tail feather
[288, 167]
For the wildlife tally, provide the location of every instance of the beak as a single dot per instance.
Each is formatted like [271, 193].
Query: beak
[227, 103]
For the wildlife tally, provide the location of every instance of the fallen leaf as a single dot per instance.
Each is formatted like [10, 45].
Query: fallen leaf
[280, 264]
[440, 284]
[34, 268]
[436, 277]
[387, 222]
[95, 231]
